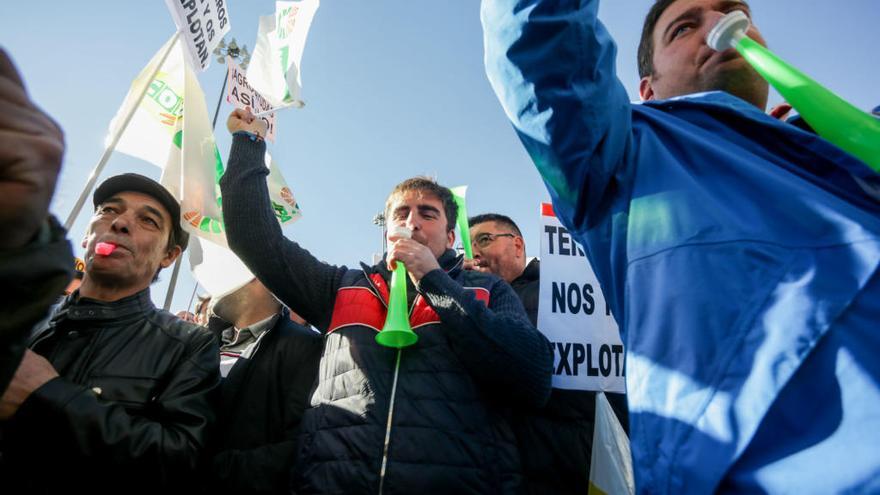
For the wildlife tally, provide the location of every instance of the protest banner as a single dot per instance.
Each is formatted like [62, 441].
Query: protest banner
[202, 24]
[154, 120]
[240, 94]
[166, 124]
[139, 88]
[588, 353]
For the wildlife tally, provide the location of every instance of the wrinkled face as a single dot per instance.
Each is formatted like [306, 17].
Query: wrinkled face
[424, 215]
[139, 226]
[498, 250]
[684, 64]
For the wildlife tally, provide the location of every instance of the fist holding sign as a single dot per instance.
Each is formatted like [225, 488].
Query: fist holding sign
[242, 95]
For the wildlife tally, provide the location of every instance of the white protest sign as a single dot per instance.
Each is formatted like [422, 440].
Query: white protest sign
[587, 350]
[202, 24]
[241, 94]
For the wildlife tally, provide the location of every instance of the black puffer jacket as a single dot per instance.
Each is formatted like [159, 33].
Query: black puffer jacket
[477, 354]
[131, 410]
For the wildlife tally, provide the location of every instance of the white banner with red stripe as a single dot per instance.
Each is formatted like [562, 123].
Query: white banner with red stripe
[588, 353]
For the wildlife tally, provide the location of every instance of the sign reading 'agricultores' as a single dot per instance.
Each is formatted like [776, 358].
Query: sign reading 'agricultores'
[241, 94]
[202, 24]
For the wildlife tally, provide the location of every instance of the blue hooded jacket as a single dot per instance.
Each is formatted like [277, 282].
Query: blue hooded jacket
[740, 255]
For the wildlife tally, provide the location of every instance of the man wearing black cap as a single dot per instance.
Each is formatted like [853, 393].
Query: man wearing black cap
[114, 395]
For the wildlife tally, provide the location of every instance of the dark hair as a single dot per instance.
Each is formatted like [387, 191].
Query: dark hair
[429, 185]
[495, 217]
[646, 44]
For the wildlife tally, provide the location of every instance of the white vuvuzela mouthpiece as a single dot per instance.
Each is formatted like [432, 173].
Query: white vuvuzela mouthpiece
[729, 30]
[399, 232]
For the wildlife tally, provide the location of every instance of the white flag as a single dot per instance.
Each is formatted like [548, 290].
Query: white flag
[611, 461]
[179, 139]
[151, 129]
[216, 268]
[202, 25]
[274, 70]
[196, 173]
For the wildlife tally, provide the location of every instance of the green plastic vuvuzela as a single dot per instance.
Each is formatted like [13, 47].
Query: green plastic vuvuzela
[832, 117]
[458, 193]
[397, 332]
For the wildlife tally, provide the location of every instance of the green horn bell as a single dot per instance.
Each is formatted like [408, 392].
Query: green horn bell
[397, 333]
[832, 117]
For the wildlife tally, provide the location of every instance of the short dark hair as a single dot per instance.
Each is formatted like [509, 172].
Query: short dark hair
[429, 185]
[495, 217]
[646, 43]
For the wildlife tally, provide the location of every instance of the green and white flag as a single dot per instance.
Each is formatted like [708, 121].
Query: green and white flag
[178, 138]
[274, 70]
[151, 129]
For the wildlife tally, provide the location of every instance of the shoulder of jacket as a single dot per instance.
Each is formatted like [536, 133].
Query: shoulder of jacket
[176, 329]
[472, 278]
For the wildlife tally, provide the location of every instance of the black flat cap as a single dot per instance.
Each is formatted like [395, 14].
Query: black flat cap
[145, 185]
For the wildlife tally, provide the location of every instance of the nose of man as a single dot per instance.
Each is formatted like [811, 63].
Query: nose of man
[120, 224]
[412, 221]
[710, 20]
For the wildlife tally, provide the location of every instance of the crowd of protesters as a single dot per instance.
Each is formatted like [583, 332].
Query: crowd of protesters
[750, 324]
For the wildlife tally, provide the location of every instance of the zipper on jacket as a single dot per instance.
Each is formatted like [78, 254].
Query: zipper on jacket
[384, 465]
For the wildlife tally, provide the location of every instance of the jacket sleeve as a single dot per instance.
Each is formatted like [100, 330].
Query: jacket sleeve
[505, 353]
[165, 439]
[552, 66]
[305, 284]
[34, 277]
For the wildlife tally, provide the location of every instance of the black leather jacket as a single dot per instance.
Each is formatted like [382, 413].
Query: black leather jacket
[131, 410]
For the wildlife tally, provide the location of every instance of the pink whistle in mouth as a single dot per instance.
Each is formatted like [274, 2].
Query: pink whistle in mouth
[105, 248]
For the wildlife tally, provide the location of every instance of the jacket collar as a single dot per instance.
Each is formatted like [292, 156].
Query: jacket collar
[531, 273]
[837, 169]
[79, 308]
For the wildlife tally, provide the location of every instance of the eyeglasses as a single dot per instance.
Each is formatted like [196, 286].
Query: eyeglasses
[484, 239]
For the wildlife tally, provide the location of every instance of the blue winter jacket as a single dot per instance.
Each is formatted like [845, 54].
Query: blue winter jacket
[740, 256]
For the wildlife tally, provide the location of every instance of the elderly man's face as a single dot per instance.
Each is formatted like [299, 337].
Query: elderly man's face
[140, 227]
[684, 64]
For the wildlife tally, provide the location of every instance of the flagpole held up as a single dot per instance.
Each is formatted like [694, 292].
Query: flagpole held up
[96, 172]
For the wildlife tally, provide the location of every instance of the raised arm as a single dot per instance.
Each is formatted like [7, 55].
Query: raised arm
[552, 65]
[305, 284]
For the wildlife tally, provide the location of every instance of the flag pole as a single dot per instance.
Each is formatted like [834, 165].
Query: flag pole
[173, 282]
[90, 184]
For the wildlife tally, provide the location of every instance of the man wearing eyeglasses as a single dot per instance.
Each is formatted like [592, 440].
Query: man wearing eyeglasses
[555, 442]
